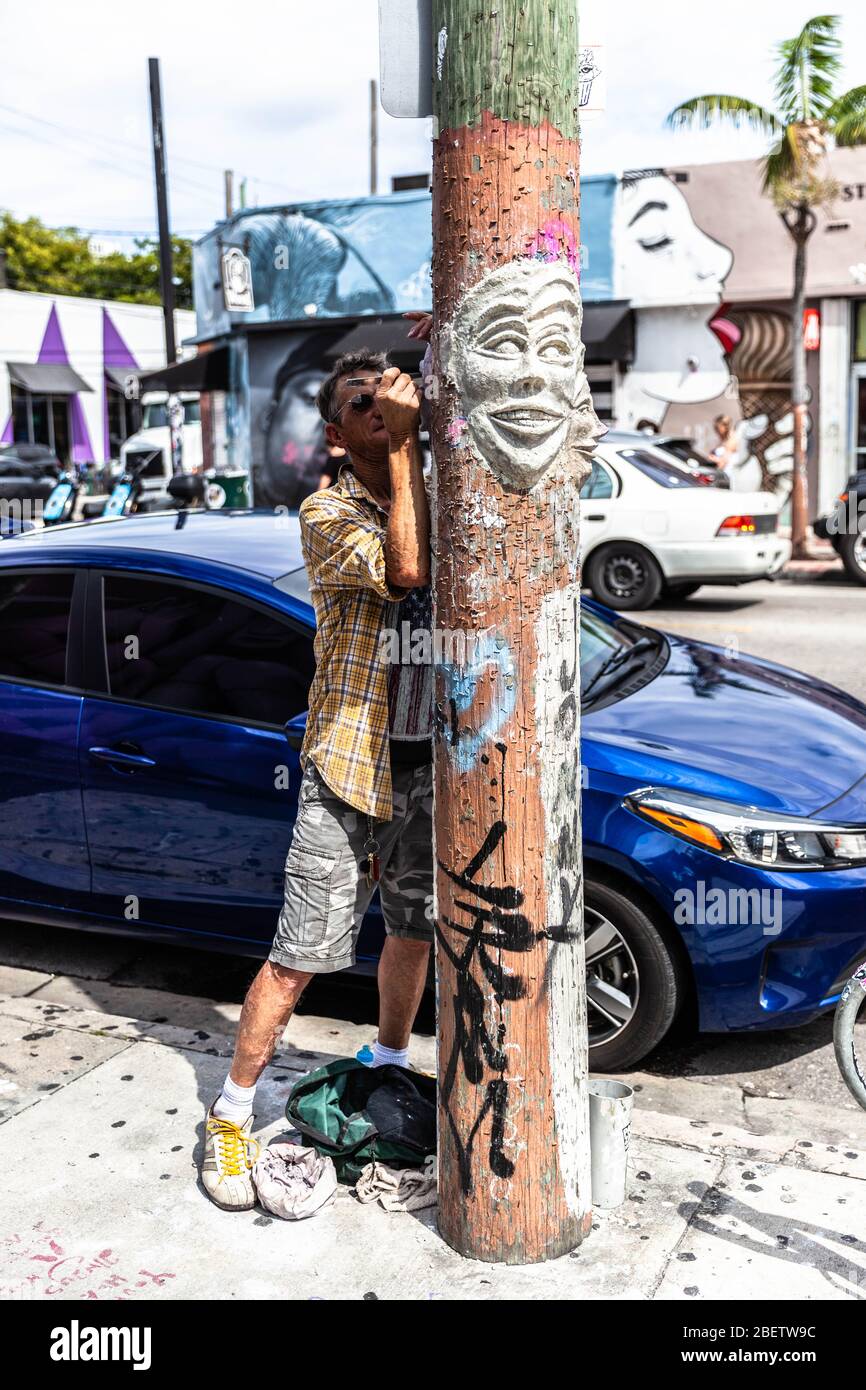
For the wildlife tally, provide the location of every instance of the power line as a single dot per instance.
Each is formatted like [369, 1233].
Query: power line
[146, 233]
[136, 166]
[129, 144]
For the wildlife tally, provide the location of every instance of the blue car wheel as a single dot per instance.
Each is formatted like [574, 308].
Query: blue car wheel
[634, 983]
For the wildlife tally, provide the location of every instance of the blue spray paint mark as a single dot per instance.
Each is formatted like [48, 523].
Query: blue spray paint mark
[461, 685]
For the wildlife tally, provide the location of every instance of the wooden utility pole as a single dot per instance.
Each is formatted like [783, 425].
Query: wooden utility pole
[513, 430]
[166, 282]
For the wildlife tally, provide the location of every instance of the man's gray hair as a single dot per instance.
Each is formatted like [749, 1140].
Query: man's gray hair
[364, 360]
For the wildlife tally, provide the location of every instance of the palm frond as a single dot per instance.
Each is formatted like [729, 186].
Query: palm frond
[809, 66]
[847, 117]
[702, 111]
[781, 164]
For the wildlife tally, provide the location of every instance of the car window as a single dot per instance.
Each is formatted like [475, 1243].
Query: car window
[202, 652]
[598, 484]
[34, 625]
[666, 474]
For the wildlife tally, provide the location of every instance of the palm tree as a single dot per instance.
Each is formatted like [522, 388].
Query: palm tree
[809, 114]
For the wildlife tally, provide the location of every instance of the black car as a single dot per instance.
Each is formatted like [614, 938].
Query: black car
[28, 472]
[845, 526]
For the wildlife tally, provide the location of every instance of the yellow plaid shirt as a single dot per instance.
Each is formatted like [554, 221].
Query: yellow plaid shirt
[343, 540]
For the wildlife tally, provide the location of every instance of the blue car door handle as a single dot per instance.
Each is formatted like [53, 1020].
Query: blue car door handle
[118, 758]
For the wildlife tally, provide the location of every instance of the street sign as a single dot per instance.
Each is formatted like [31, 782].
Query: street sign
[406, 57]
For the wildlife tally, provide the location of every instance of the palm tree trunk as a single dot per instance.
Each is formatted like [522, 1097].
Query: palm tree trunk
[800, 227]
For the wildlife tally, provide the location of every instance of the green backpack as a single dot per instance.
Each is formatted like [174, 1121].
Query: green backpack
[358, 1115]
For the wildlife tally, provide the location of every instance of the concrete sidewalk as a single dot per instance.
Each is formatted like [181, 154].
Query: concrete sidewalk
[101, 1120]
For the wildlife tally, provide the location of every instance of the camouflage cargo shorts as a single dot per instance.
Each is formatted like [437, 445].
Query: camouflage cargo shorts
[326, 893]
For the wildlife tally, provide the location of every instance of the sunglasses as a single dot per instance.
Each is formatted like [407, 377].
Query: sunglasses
[359, 405]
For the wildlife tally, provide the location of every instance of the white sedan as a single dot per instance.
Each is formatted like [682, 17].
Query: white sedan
[649, 526]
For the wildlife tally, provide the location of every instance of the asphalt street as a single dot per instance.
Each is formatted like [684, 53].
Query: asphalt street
[817, 626]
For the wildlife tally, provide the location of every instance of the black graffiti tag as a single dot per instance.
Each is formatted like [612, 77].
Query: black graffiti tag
[493, 924]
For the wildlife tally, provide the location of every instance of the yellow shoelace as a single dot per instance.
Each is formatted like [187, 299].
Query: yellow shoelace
[233, 1147]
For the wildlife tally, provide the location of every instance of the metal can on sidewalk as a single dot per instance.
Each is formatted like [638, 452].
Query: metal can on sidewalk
[610, 1105]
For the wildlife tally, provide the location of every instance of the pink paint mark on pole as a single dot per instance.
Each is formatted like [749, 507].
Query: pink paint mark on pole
[555, 241]
[456, 431]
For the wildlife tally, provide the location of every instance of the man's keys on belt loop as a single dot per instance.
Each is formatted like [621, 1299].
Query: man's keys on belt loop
[369, 865]
[371, 869]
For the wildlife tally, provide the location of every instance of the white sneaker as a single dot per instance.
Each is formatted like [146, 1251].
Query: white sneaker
[227, 1166]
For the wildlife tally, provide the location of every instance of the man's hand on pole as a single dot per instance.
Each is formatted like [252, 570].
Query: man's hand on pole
[423, 325]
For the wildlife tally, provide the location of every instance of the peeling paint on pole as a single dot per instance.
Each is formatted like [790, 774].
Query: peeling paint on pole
[513, 431]
[558, 720]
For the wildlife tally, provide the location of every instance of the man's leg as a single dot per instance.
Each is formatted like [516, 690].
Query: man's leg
[402, 976]
[324, 897]
[230, 1150]
[268, 1006]
[406, 892]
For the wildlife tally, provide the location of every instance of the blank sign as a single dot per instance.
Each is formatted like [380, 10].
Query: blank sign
[406, 57]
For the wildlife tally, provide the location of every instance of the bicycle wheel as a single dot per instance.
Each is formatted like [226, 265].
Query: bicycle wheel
[853, 1069]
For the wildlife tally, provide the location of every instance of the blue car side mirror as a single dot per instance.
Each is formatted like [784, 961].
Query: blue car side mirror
[295, 729]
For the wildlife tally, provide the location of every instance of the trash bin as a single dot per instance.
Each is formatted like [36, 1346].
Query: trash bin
[610, 1104]
[227, 490]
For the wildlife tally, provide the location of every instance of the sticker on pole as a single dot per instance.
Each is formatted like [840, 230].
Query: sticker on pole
[591, 61]
[406, 57]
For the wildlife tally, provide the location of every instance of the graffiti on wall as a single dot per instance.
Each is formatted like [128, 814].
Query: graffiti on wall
[666, 259]
[288, 451]
[758, 346]
[696, 356]
[325, 260]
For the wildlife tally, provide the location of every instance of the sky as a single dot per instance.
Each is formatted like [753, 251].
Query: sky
[278, 91]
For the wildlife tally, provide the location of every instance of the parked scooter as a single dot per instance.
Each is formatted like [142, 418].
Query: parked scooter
[60, 503]
[126, 492]
[188, 490]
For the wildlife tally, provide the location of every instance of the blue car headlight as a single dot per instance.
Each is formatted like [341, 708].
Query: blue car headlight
[749, 835]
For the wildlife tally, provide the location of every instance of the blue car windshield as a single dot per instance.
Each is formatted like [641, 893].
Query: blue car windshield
[599, 641]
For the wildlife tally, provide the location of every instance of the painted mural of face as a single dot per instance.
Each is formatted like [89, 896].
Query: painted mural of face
[514, 353]
[665, 257]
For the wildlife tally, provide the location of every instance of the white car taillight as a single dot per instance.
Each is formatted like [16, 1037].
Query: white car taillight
[738, 526]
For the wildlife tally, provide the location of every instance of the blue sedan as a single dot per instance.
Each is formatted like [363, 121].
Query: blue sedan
[153, 686]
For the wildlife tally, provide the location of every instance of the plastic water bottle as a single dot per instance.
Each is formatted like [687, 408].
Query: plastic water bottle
[365, 1055]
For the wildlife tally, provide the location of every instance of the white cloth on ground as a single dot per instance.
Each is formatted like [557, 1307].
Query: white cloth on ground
[294, 1182]
[399, 1189]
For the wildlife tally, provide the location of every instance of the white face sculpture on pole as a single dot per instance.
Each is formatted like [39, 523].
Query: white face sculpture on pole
[514, 353]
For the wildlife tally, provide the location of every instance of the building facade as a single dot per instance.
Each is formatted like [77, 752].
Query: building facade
[707, 265]
[64, 362]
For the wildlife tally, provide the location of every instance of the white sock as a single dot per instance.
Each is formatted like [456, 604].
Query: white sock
[389, 1056]
[235, 1102]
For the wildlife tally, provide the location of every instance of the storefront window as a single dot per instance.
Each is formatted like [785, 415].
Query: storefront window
[123, 417]
[20, 416]
[860, 332]
[41, 420]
